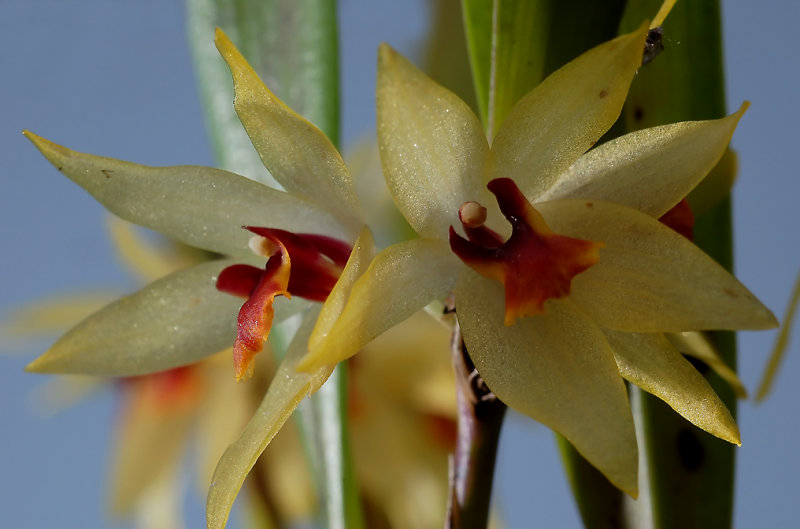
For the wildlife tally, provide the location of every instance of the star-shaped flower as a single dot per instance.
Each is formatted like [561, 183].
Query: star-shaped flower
[183, 317]
[588, 281]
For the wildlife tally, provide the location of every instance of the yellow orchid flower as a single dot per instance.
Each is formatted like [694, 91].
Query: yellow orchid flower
[304, 232]
[588, 281]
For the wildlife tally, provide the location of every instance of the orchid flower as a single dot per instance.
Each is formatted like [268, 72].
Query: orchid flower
[183, 317]
[580, 294]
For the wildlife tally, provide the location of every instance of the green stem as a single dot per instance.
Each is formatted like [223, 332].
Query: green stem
[480, 419]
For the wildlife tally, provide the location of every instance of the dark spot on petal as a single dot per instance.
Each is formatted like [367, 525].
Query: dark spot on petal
[638, 113]
[698, 364]
[603, 93]
[690, 451]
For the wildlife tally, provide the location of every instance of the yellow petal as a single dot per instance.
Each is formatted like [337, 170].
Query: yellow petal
[696, 345]
[433, 148]
[200, 206]
[650, 170]
[360, 258]
[295, 151]
[400, 281]
[566, 114]
[555, 367]
[172, 322]
[653, 364]
[288, 388]
[649, 278]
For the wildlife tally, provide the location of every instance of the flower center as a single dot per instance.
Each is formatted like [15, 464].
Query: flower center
[305, 265]
[534, 264]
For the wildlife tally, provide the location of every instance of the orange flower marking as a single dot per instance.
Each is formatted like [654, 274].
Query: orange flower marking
[311, 272]
[534, 264]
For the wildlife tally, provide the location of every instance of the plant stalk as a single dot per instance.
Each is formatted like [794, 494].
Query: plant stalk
[480, 418]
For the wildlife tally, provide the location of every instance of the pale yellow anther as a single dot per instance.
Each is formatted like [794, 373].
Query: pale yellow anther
[262, 246]
[472, 214]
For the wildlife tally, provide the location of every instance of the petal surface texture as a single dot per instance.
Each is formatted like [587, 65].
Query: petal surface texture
[433, 149]
[295, 151]
[360, 258]
[650, 170]
[649, 278]
[171, 322]
[200, 206]
[566, 114]
[287, 389]
[401, 280]
[653, 364]
[556, 367]
[697, 345]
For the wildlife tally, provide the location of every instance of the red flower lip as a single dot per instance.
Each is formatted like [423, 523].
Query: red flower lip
[304, 265]
[534, 264]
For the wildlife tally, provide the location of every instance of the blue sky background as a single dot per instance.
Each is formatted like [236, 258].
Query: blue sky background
[114, 78]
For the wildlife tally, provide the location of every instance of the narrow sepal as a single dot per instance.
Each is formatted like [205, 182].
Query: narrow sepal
[556, 367]
[200, 206]
[171, 322]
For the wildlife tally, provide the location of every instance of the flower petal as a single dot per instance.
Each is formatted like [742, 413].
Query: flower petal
[360, 258]
[400, 281]
[697, 345]
[566, 114]
[555, 367]
[653, 364]
[287, 389]
[650, 170]
[153, 433]
[174, 321]
[433, 149]
[649, 278]
[295, 151]
[200, 206]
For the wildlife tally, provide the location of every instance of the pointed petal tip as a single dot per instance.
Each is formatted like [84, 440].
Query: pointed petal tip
[39, 365]
[385, 51]
[221, 40]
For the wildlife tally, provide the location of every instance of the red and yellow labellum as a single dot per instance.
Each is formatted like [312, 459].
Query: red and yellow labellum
[304, 265]
[534, 264]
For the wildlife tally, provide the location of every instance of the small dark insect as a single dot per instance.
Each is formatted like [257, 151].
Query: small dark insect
[653, 44]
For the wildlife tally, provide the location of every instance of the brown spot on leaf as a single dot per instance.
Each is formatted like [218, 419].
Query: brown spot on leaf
[603, 93]
[106, 172]
[731, 293]
[638, 113]
[590, 205]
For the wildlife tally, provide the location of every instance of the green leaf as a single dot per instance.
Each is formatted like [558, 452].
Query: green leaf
[200, 206]
[174, 321]
[691, 472]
